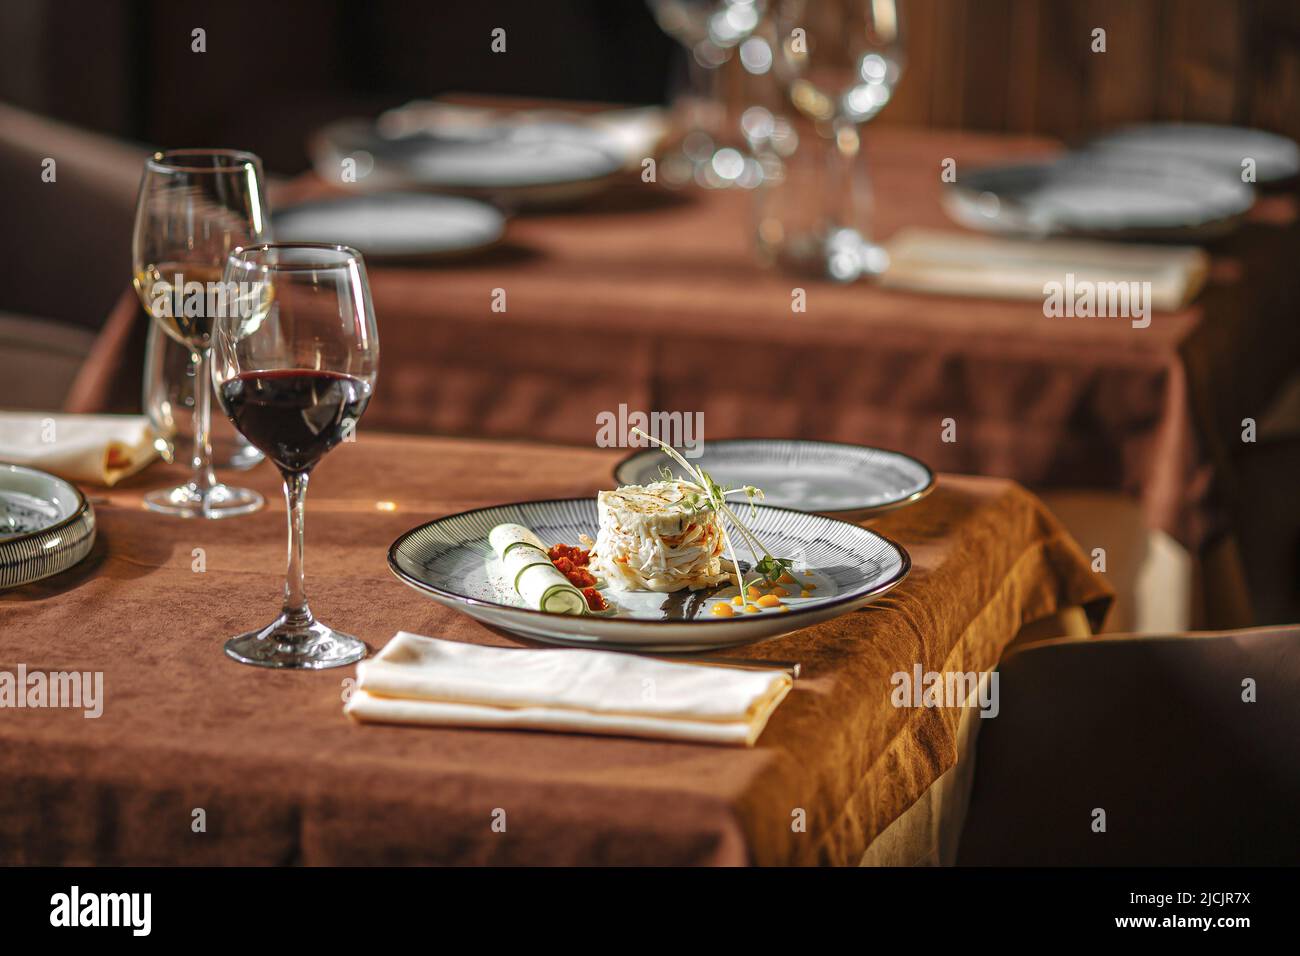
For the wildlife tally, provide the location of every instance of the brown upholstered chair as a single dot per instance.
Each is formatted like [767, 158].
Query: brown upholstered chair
[1155, 732]
[66, 249]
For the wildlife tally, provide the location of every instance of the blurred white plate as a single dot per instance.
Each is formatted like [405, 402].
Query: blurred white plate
[520, 162]
[395, 225]
[1221, 148]
[1096, 195]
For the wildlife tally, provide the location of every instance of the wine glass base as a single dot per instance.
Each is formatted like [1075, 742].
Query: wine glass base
[842, 255]
[284, 644]
[219, 501]
[237, 456]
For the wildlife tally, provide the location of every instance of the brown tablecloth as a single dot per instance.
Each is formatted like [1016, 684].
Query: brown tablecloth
[283, 777]
[653, 300]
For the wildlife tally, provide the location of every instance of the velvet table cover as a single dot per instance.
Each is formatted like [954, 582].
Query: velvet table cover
[196, 759]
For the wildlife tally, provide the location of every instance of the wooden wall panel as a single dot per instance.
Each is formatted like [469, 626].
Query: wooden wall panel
[1028, 66]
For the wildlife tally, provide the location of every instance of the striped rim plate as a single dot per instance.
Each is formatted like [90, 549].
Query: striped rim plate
[46, 525]
[840, 566]
[850, 482]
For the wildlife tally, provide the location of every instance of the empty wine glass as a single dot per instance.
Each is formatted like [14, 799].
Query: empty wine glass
[294, 366]
[721, 54]
[168, 398]
[838, 61]
[194, 207]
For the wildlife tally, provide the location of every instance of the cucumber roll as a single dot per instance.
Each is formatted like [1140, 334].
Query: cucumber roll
[527, 566]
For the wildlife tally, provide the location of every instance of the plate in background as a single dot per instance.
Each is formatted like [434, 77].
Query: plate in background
[46, 525]
[515, 163]
[1221, 148]
[1101, 196]
[450, 561]
[395, 225]
[849, 482]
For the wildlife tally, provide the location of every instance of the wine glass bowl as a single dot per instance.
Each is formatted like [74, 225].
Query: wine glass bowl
[294, 365]
[844, 63]
[838, 62]
[717, 36]
[193, 208]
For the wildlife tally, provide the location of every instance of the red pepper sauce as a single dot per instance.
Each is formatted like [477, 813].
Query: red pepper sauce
[572, 563]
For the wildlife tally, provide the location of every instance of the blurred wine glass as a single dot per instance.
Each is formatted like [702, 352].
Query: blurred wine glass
[722, 54]
[838, 61]
[194, 207]
[168, 401]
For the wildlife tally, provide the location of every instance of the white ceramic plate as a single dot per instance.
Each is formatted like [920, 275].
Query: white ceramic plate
[450, 561]
[538, 162]
[1221, 148]
[849, 482]
[46, 525]
[1097, 195]
[395, 225]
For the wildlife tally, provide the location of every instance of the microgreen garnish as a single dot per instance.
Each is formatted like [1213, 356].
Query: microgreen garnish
[768, 568]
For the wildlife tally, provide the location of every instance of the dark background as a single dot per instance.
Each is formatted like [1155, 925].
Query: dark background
[276, 69]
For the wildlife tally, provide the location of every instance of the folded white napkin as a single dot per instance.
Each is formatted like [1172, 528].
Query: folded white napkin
[953, 263]
[423, 680]
[100, 449]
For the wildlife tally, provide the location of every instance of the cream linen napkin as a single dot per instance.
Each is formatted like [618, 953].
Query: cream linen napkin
[99, 449]
[954, 263]
[424, 680]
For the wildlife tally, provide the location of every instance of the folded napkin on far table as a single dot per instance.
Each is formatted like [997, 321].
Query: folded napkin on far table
[423, 680]
[99, 449]
[954, 263]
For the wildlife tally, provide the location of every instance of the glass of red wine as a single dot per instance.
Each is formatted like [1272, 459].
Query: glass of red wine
[294, 365]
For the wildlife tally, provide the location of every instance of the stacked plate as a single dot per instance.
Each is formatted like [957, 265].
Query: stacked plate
[447, 149]
[1184, 182]
[429, 177]
[46, 525]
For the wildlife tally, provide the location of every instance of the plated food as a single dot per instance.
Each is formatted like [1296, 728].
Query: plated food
[657, 537]
[668, 565]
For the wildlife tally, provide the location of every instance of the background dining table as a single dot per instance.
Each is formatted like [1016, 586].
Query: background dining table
[651, 299]
[282, 776]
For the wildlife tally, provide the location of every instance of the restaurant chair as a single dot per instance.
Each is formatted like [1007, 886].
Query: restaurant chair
[66, 248]
[1125, 751]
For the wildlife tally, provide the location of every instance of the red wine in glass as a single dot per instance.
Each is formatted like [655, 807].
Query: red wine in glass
[294, 366]
[294, 416]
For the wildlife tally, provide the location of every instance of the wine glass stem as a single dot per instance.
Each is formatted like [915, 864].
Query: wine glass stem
[842, 194]
[204, 478]
[295, 591]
